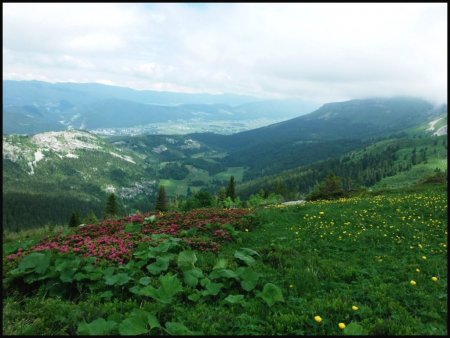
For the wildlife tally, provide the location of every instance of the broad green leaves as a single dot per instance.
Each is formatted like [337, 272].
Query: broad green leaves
[234, 299]
[35, 262]
[221, 263]
[177, 329]
[245, 255]
[249, 278]
[211, 289]
[132, 326]
[271, 294]
[354, 329]
[97, 327]
[224, 273]
[139, 322]
[161, 264]
[192, 276]
[186, 260]
[170, 285]
[118, 279]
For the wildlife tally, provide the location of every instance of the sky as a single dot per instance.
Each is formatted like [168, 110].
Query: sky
[317, 52]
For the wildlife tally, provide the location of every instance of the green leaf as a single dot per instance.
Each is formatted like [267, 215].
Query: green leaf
[108, 272]
[221, 263]
[152, 321]
[250, 252]
[118, 279]
[177, 329]
[354, 329]
[241, 255]
[95, 276]
[170, 286]
[67, 276]
[234, 299]
[194, 296]
[135, 289]
[272, 294]
[212, 289]
[161, 264]
[224, 273]
[133, 326]
[96, 327]
[249, 278]
[36, 261]
[145, 280]
[186, 259]
[191, 276]
[106, 294]
[133, 228]
[79, 276]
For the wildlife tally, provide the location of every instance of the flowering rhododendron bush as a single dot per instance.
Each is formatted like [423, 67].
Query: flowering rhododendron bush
[115, 239]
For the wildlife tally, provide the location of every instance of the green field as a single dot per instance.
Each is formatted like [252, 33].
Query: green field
[375, 263]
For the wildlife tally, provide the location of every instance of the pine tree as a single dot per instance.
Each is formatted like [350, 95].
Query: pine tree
[111, 206]
[90, 218]
[222, 195]
[161, 202]
[74, 219]
[230, 189]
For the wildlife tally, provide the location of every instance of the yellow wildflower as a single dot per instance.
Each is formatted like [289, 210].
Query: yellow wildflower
[434, 279]
[318, 319]
[412, 282]
[341, 326]
[355, 308]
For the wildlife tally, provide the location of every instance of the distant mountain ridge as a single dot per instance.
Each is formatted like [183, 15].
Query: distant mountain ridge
[31, 107]
[333, 129]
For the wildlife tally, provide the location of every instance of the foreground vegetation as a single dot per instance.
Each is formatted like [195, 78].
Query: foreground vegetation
[373, 264]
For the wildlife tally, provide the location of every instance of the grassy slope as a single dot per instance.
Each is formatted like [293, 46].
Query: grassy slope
[325, 256]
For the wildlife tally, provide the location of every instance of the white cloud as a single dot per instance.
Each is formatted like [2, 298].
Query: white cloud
[319, 51]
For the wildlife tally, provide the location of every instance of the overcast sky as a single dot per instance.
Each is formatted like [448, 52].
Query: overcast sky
[319, 52]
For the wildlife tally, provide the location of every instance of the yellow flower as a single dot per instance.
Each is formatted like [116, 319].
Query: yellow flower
[318, 319]
[424, 257]
[434, 279]
[355, 308]
[417, 270]
[341, 326]
[412, 282]
[321, 213]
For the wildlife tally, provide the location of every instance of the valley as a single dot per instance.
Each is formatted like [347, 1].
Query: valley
[77, 169]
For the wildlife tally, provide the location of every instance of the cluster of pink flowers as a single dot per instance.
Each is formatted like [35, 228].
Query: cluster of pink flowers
[109, 240]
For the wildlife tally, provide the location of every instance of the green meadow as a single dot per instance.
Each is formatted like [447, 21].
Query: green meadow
[374, 264]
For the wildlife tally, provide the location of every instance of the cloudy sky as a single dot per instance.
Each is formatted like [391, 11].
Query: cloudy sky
[318, 52]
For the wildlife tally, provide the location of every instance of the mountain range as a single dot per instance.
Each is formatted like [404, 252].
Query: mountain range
[48, 175]
[31, 107]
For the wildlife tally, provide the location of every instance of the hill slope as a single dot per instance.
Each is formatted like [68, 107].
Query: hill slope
[330, 131]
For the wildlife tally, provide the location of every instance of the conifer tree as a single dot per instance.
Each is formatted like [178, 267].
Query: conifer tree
[222, 195]
[111, 206]
[230, 189]
[161, 202]
[90, 218]
[74, 219]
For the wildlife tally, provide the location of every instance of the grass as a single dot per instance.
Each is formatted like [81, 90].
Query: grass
[325, 256]
[179, 187]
